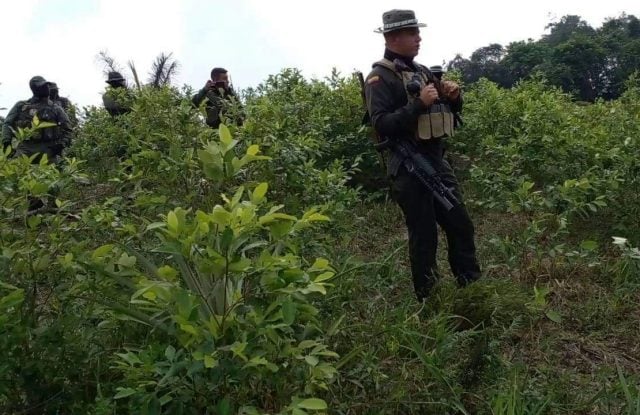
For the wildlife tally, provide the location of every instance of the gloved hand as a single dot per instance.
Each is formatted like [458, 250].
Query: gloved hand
[451, 90]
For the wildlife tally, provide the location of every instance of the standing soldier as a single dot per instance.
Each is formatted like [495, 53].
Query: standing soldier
[407, 102]
[220, 96]
[117, 97]
[66, 105]
[49, 140]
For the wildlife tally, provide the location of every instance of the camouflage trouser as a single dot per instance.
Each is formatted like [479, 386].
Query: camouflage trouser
[422, 215]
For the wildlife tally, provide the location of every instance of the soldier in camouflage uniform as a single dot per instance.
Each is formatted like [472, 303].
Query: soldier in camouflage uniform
[426, 119]
[219, 95]
[117, 98]
[66, 105]
[46, 140]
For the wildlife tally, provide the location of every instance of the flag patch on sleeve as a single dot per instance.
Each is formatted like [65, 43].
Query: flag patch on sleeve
[373, 79]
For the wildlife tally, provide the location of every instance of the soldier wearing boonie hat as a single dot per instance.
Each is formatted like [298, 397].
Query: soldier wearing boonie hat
[425, 117]
[115, 101]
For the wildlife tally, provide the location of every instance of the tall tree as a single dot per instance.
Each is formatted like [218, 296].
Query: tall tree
[590, 63]
[562, 31]
[522, 59]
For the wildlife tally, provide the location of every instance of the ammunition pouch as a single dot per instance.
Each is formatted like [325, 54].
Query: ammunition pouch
[45, 113]
[437, 121]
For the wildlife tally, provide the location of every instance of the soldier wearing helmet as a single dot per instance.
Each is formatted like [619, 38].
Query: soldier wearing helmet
[65, 103]
[49, 124]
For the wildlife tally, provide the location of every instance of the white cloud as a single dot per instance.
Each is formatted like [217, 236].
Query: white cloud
[64, 50]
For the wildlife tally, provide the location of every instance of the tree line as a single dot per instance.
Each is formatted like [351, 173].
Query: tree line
[588, 62]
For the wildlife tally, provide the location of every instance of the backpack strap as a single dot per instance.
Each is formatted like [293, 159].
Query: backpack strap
[386, 63]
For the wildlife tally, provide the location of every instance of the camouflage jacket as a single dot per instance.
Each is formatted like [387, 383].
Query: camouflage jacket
[68, 108]
[21, 116]
[394, 116]
[117, 101]
[218, 101]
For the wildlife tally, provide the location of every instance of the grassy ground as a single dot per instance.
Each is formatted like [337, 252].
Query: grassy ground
[495, 347]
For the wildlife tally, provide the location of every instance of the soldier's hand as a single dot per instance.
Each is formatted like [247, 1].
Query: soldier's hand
[209, 84]
[451, 90]
[428, 95]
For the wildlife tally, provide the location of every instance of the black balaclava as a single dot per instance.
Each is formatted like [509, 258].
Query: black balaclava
[53, 90]
[39, 86]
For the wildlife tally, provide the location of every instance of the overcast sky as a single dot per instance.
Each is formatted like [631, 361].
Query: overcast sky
[60, 39]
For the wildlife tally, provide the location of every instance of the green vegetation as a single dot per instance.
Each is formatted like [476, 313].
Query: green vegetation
[586, 62]
[164, 276]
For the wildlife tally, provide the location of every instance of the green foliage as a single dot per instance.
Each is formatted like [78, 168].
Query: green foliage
[311, 130]
[239, 315]
[628, 266]
[159, 278]
[233, 305]
[44, 329]
[535, 151]
[513, 400]
[586, 62]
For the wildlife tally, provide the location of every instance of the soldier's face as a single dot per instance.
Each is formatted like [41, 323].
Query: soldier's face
[41, 91]
[405, 42]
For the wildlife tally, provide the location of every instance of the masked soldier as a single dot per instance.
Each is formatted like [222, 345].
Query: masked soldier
[423, 114]
[220, 96]
[49, 140]
[63, 102]
[117, 99]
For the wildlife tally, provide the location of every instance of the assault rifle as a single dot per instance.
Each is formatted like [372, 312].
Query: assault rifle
[414, 162]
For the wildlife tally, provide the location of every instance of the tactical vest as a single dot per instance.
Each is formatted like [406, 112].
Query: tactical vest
[45, 112]
[437, 121]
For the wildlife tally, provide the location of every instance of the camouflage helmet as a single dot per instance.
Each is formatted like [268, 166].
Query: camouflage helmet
[39, 86]
[114, 78]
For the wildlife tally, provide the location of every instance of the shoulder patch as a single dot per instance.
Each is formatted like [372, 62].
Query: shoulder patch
[374, 79]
